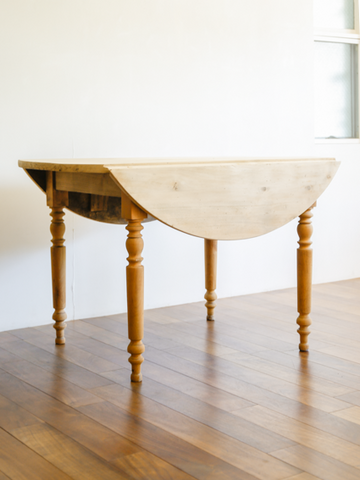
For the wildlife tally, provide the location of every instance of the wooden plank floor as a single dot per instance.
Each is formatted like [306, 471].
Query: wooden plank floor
[230, 399]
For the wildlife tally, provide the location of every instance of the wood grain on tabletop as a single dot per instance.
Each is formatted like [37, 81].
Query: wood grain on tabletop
[287, 186]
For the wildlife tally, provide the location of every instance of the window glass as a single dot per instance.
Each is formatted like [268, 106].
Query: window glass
[335, 90]
[334, 14]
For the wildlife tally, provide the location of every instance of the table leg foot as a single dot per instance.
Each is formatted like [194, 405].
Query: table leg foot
[304, 277]
[136, 348]
[210, 249]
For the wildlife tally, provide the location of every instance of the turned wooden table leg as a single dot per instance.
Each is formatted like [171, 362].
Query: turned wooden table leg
[135, 297]
[58, 271]
[57, 200]
[134, 285]
[304, 277]
[210, 277]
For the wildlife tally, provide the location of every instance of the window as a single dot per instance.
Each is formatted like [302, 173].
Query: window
[336, 56]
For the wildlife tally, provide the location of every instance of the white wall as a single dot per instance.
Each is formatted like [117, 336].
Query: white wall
[113, 78]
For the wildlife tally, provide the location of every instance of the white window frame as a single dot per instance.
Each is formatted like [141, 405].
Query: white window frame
[344, 36]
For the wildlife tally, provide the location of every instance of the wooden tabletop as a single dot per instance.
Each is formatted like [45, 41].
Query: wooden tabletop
[213, 198]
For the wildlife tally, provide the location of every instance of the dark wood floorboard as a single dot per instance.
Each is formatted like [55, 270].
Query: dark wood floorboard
[230, 399]
[20, 462]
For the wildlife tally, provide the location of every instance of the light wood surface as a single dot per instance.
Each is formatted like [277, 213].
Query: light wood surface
[204, 410]
[103, 165]
[219, 199]
[227, 200]
[95, 183]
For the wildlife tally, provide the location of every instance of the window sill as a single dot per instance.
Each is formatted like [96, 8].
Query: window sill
[337, 38]
[337, 140]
